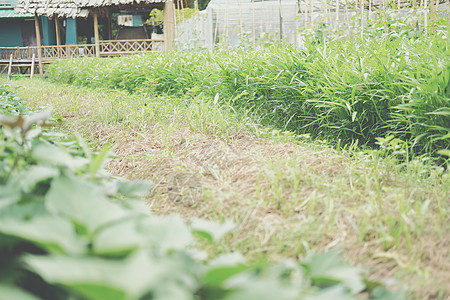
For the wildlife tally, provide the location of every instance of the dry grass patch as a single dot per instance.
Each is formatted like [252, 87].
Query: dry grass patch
[269, 189]
[286, 198]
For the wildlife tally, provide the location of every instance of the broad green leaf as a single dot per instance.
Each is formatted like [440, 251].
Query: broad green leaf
[223, 267]
[9, 194]
[107, 241]
[217, 276]
[328, 268]
[288, 269]
[33, 133]
[10, 292]
[90, 277]
[213, 231]
[261, 289]
[50, 154]
[109, 187]
[380, 293]
[172, 290]
[83, 202]
[48, 232]
[94, 278]
[166, 232]
[93, 291]
[30, 177]
[30, 207]
[332, 293]
[138, 188]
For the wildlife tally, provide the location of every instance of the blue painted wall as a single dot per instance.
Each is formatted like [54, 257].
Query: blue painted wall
[10, 32]
[137, 20]
[71, 31]
[48, 31]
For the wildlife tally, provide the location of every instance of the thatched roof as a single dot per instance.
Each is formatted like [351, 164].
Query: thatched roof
[74, 8]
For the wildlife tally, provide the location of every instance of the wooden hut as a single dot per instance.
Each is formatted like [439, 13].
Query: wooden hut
[84, 27]
[15, 29]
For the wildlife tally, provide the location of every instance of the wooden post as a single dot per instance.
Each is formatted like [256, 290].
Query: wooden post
[10, 65]
[169, 25]
[39, 46]
[58, 37]
[97, 42]
[32, 65]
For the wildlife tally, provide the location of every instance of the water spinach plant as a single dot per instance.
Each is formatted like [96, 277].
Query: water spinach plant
[342, 90]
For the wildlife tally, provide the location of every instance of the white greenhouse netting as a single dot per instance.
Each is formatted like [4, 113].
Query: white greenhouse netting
[252, 22]
[235, 22]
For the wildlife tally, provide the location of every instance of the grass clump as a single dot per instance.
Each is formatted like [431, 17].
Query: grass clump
[348, 90]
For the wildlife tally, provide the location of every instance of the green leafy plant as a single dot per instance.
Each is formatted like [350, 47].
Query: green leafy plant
[341, 89]
[68, 229]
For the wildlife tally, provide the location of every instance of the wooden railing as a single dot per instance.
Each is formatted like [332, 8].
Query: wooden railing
[107, 48]
[118, 47]
[17, 52]
[67, 51]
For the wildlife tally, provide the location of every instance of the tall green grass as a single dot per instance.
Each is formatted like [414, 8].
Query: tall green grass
[348, 89]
